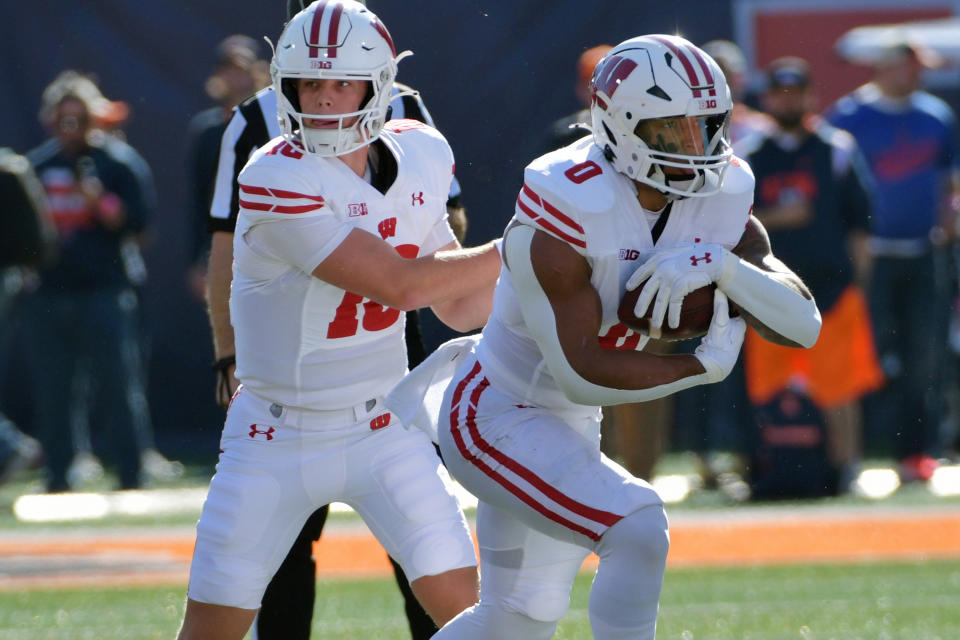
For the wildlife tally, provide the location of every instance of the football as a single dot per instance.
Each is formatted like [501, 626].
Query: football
[695, 315]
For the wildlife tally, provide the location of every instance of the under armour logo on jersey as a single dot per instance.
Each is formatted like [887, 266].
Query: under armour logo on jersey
[629, 254]
[356, 209]
[387, 228]
[380, 422]
[694, 260]
[416, 198]
[254, 432]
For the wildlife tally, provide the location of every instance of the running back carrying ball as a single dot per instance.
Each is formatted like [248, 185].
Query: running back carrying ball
[695, 315]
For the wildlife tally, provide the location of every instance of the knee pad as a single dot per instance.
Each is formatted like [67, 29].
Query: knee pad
[540, 603]
[626, 589]
[644, 531]
[541, 593]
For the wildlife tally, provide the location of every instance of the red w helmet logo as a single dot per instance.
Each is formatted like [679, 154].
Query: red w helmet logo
[608, 75]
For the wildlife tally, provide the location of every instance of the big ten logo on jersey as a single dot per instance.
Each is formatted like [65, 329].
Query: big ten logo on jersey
[356, 209]
[629, 254]
[620, 337]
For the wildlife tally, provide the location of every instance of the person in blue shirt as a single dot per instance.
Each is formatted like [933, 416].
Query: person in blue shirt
[910, 140]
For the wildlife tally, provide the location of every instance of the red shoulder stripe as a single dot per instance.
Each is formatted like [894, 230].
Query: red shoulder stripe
[278, 200]
[278, 193]
[541, 221]
[562, 217]
[550, 218]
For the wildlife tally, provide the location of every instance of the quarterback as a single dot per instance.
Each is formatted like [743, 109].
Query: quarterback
[656, 196]
[342, 227]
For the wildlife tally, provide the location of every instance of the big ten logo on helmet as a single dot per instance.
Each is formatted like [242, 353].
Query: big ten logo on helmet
[321, 64]
[708, 104]
[356, 209]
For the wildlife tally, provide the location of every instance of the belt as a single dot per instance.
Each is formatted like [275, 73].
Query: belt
[372, 410]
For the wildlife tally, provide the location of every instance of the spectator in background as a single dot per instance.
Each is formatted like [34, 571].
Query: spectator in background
[811, 196]
[27, 239]
[238, 74]
[81, 324]
[909, 138]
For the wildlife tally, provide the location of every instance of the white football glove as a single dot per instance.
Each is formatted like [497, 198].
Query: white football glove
[719, 349]
[673, 274]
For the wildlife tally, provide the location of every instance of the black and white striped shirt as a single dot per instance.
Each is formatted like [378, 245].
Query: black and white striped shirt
[254, 123]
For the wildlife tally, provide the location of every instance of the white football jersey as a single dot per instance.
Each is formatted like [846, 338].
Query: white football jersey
[576, 195]
[302, 342]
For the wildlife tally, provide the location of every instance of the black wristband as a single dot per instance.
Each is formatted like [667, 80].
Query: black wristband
[222, 364]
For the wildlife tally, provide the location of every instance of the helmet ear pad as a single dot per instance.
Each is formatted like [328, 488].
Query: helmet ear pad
[290, 89]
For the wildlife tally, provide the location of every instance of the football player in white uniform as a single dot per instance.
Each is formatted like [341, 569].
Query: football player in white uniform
[656, 186]
[342, 226]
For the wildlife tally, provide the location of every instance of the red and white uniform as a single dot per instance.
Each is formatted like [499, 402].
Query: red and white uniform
[575, 195]
[308, 426]
[507, 431]
[303, 342]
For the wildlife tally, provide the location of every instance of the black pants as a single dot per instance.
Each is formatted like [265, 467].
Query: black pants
[287, 607]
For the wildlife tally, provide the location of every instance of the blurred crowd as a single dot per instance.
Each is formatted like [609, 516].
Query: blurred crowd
[860, 198]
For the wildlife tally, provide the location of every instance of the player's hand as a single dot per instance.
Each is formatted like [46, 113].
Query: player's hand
[719, 349]
[671, 275]
[227, 384]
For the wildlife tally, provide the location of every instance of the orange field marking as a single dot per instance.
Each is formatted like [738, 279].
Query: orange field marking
[723, 538]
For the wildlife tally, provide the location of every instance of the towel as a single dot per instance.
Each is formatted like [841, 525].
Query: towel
[416, 399]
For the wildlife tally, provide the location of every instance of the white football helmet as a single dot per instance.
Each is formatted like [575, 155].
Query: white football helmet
[660, 103]
[342, 40]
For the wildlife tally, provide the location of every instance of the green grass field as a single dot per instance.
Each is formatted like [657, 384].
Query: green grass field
[882, 601]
